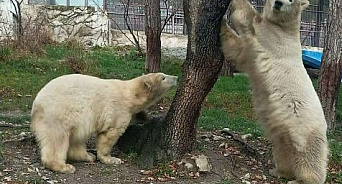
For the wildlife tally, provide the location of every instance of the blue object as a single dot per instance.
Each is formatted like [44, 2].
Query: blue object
[312, 58]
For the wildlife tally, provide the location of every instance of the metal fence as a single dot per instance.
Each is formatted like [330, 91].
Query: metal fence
[311, 30]
[313, 23]
[133, 14]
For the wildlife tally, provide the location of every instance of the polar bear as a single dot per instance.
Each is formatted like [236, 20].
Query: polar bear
[70, 108]
[267, 46]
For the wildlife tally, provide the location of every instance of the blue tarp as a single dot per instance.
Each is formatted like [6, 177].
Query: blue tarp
[312, 58]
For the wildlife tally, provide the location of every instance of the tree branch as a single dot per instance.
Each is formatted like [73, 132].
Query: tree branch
[136, 42]
[167, 18]
[126, 18]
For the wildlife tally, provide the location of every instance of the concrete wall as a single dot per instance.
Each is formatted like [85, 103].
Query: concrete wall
[172, 45]
[81, 23]
[6, 19]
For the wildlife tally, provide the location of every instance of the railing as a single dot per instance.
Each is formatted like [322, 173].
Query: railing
[135, 17]
[311, 30]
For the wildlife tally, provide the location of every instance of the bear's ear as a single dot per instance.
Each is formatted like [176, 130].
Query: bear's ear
[148, 83]
[304, 4]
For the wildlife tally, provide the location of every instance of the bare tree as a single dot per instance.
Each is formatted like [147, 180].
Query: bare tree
[200, 72]
[331, 69]
[135, 36]
[18, 17]
[174, 135]
[153, 32]
[131, 31]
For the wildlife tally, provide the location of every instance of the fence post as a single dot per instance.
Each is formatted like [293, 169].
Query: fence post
[173, 24]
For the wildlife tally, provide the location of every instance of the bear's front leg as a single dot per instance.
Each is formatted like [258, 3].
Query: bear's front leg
[105, 143]
[242, 16]
[230, 41]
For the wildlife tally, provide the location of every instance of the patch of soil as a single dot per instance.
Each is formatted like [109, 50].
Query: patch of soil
[233, 158]
[229, 159]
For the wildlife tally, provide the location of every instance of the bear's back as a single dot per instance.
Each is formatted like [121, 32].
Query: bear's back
[74, 92]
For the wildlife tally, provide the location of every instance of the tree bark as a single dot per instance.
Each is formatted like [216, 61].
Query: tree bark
[153, 32]
[200, 71]
[164, 138]
[331, 69]
[18, 17]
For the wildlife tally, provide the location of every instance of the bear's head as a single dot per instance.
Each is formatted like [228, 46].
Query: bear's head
[156, 85]
[284, 11]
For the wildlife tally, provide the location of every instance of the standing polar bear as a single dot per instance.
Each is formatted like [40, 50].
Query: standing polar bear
[70, 108]
[267, 46]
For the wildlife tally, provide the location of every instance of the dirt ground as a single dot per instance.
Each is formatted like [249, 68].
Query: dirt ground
[232, 161]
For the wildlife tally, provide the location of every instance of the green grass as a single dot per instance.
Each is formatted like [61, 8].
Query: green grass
[335, 144]
[227, 181]
[16, 118]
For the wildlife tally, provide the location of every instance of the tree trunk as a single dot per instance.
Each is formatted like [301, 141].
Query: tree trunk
[331, 69]
[172, 136]
[153, 32]
[18, 17]
[200, 71]
[227, 68]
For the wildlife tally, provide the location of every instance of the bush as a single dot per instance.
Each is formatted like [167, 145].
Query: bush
[5, 52]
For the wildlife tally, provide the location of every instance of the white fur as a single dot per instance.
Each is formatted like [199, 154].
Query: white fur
[69, 109]
[267, 47]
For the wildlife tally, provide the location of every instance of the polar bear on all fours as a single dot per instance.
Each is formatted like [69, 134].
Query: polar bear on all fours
[267, 46]
[72, 107]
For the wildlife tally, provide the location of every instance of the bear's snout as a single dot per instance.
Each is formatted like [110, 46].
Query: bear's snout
[278, 5]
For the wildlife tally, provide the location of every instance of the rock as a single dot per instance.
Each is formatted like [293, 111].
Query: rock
[246, 136]
[204, 136]
[45, 178]
[207, 139]
[246, 177]
[217, 138]
[222, 145]
[143, 172]
[246, 182]
[225, 130]
[188, 165]
[202, 163]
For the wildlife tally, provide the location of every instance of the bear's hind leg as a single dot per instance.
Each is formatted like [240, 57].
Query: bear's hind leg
[54, 147]
[282, 157]
[309, 172]
[105, 143]
[311, 164]
[78, 151]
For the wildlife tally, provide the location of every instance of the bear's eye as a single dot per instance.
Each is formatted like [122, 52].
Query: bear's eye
[163, 78]
[290, 1]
